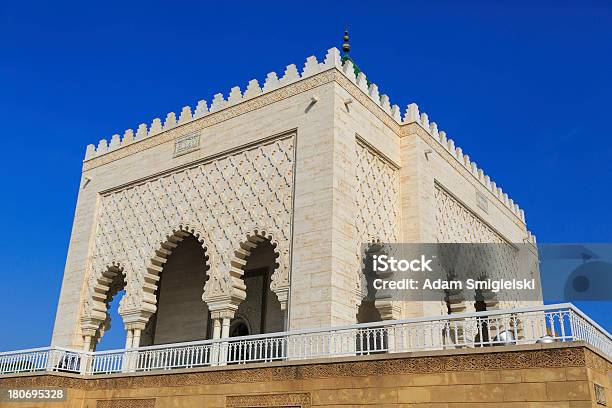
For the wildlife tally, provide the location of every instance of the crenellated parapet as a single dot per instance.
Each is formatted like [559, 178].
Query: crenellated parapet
[412, 115]
[291, 75]
[219, 102]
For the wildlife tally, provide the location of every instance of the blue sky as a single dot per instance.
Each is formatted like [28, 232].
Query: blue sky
[523, 87]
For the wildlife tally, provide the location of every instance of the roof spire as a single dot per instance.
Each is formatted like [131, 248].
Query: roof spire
[345, 46]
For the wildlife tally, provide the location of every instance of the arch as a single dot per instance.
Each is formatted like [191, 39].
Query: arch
[102, 289]
[180, 312]
[279, 285]
[240, 326]
[160, 257]
[95, 319]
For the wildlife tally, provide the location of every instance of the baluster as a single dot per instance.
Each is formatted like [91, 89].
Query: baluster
[562, 325]
[515, 323]
[263, 350]
[480, 332]
[551, 320]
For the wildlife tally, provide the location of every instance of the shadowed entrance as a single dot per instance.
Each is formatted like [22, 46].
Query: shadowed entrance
[181, 314]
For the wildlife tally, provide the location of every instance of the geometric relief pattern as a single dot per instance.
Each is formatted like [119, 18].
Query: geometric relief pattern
[457, 224]
[378, 205]
[497, 259]
[126, 403]
[288, 400]
[378, 188]
[223, 202]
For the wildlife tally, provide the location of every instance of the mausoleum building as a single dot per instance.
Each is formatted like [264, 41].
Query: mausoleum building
[246, 215]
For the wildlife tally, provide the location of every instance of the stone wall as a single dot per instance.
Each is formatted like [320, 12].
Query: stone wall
[546, 376]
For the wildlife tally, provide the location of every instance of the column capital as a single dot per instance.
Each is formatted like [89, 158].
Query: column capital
[222, 314]
[135, 319]
[89, 326]
[283, 296]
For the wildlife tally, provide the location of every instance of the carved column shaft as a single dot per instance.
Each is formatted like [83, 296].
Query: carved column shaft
[136, 338]
[87, 343]
[216, 329]
[225, 328]
[128, 339]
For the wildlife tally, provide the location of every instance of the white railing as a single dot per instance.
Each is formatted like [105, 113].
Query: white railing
[542, 324]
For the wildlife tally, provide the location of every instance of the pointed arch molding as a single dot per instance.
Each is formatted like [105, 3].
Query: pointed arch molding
[222, 201]
[280, 277]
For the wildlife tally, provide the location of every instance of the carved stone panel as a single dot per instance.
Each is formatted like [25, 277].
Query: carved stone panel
[126, 403]
[290, 400]
[221, 201]
[456, 223]
[378, 205]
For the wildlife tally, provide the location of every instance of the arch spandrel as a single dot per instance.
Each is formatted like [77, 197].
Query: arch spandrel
[222, 198]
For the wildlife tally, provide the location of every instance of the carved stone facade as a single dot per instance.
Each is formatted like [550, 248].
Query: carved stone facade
[316, 162]
[223, 202]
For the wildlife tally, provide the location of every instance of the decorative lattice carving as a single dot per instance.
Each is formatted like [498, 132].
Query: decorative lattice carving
[126, 403]
[378, 211]
[457, 224]
[222, 202]
[287, 400]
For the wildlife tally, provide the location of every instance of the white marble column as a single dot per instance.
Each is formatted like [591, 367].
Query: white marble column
[128, 339]
[87, 343]
[136, 338]
[216, 320]
[225, 327]
[85, 358]
[216, 328]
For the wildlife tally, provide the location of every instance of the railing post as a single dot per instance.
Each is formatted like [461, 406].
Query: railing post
[51, 360]
[391, 339]
[84, 362]
[85, 356]
[573, 324]
[292, 347]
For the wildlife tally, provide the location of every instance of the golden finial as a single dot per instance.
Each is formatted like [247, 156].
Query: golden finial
[345, 46]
